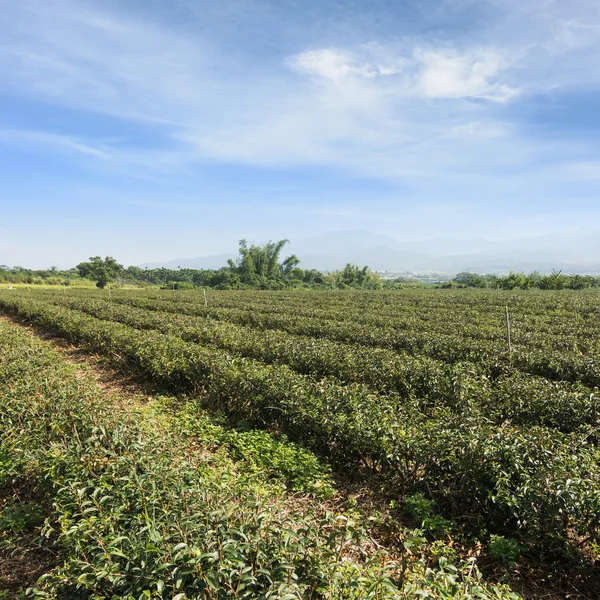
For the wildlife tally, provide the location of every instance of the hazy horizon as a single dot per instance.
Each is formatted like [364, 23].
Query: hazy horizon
[574, 251]
[162, 129]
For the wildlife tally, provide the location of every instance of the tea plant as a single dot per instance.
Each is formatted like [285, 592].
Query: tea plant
[138, 504]
[417, 389]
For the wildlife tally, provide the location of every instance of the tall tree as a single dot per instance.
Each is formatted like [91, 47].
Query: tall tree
[260, 264]
[100, 271]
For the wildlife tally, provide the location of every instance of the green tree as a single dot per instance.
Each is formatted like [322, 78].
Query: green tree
[356, 277]
[579, 282]
[100, 271]
[555, 281]
[258, 265]
[513, 281]
[471, 280]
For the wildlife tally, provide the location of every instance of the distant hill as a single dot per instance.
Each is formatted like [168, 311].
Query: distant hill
[572, 251]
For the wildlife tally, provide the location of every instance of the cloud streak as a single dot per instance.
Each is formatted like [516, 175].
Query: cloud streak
[51, 142]
[404, 109]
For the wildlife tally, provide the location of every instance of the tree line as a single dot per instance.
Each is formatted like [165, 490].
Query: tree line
[51, 276]
[261, 267]
[526, 281]
[256, 267]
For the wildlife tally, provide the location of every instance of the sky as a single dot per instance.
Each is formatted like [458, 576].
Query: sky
[156, 129]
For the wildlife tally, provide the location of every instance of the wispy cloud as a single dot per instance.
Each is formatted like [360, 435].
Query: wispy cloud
[408, 108]
[50, 142]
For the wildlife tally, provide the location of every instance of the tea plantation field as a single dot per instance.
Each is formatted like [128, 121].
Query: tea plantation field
[478, 446]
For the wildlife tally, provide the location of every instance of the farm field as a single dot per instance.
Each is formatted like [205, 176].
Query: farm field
[480, 448]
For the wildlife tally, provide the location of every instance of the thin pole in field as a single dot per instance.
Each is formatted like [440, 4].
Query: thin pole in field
[508, 330]
[109, 290]
[205, 300]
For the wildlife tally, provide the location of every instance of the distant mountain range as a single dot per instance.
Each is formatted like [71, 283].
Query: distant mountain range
[571, 251]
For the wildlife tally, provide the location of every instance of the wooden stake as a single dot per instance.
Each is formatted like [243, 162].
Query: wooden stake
[508, 330]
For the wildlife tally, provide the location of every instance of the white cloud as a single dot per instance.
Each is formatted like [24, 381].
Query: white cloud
[410, 108]
[429, 72]
[449, 74]
[335, 64]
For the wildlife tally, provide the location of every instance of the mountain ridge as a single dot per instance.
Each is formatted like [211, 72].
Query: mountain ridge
[576, 251]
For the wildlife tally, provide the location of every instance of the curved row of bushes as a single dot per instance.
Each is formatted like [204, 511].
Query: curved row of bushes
[537, 356]
[464, 386]
[536, 483]
[130, 513]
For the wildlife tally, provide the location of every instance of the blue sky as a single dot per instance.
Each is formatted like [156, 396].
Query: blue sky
[157, 129]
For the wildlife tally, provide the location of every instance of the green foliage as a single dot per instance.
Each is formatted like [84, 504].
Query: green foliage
[142, 506]
[262, 453]
[259, 265]
[351, 424]
[99, 270]
[353, 276]
[135, 514]
[506, 549]
[459, 582]
[439, 549]
[471, 280]
[423, 510]
[51, 276]
[523, 281]
[16, 517]
[415, 388]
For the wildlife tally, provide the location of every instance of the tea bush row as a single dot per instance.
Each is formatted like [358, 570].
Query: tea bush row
[536, 484]
[538, 356]
[509, 395]
[135, 515]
